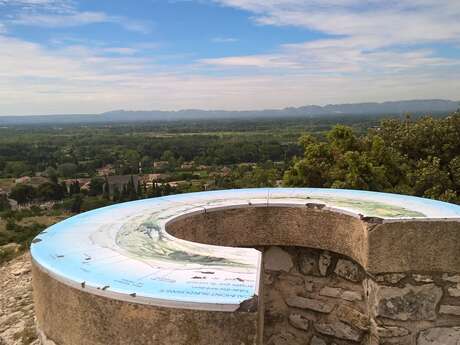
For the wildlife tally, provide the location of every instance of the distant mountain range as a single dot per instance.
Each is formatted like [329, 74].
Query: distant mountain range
[430, 106]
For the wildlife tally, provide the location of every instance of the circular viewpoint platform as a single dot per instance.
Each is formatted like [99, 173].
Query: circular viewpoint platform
[163, 259]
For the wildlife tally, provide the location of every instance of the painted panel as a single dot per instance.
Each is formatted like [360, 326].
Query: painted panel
[123, 250]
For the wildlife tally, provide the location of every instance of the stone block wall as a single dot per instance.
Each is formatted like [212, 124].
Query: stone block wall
[319, 297]
[404, 294]
[415, 308]
[313, 297]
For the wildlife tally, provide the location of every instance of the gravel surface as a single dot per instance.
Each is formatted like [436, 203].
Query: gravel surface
[16, 306]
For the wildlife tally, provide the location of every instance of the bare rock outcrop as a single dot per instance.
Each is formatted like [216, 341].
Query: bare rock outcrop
[17, 325]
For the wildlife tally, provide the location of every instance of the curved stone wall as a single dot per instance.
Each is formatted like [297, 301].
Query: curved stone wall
[66, 315]
[416, 245]
[405, 261]
[290, 225]
[340, 267]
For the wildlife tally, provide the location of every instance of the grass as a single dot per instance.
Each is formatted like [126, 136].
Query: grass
[46, 220]
[6, 183]
[18, 228]
[9, 252]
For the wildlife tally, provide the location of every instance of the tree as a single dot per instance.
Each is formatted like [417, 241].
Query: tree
[131, 189]
[52, 174]
[132, 159]
[93, 202]
[419, 157]
[430, 180]
[17, 168]
[116, 194]
[454, 171]
[124, 193]
[23, 193]
[96, 186]
[67, 170]
[50, 191]
[4, 203]
[106, 189]
[169, 156]
[263, 177]
[74, 188]
[77, 201]
[141, 188]
[65, 191]
[313, 170]
[342, 138]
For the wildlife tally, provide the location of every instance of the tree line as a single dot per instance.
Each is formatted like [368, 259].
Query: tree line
[415, 157]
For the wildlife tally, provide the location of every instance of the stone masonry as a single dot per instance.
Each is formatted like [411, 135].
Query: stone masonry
[309, 299]
[322, 298]
[415, 308]
[313, 297]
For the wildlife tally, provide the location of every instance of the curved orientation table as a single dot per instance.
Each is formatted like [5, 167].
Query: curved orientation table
[122, 260]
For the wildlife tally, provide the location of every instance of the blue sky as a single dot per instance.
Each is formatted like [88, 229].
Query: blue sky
[69, 56]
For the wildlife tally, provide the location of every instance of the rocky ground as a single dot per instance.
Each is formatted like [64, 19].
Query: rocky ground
[16, 307]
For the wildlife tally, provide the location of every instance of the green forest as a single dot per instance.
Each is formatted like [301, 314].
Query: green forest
[419, 157]
[50, 173]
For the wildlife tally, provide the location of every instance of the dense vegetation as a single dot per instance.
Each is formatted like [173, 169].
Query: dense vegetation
[416, 156]
[411, 157]
[80, 151]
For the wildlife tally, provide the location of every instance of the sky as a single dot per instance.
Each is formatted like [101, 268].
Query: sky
[92, 56]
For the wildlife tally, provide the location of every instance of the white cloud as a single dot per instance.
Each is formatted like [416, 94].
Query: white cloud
[349, 57]
[39, 6]
[120, 50]
[78, 19]
[378, 52]
[259, 61]
[80, 79]
[388, 22]
[224, 39]
[56, 21]
[61, 14]
[371, 39]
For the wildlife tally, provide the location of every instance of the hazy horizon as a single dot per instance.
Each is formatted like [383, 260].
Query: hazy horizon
[77, 57]
[231, 110]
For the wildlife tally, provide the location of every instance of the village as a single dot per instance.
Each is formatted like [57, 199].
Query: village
[47, 191]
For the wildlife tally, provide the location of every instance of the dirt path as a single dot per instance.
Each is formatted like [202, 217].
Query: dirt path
[16, 306]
